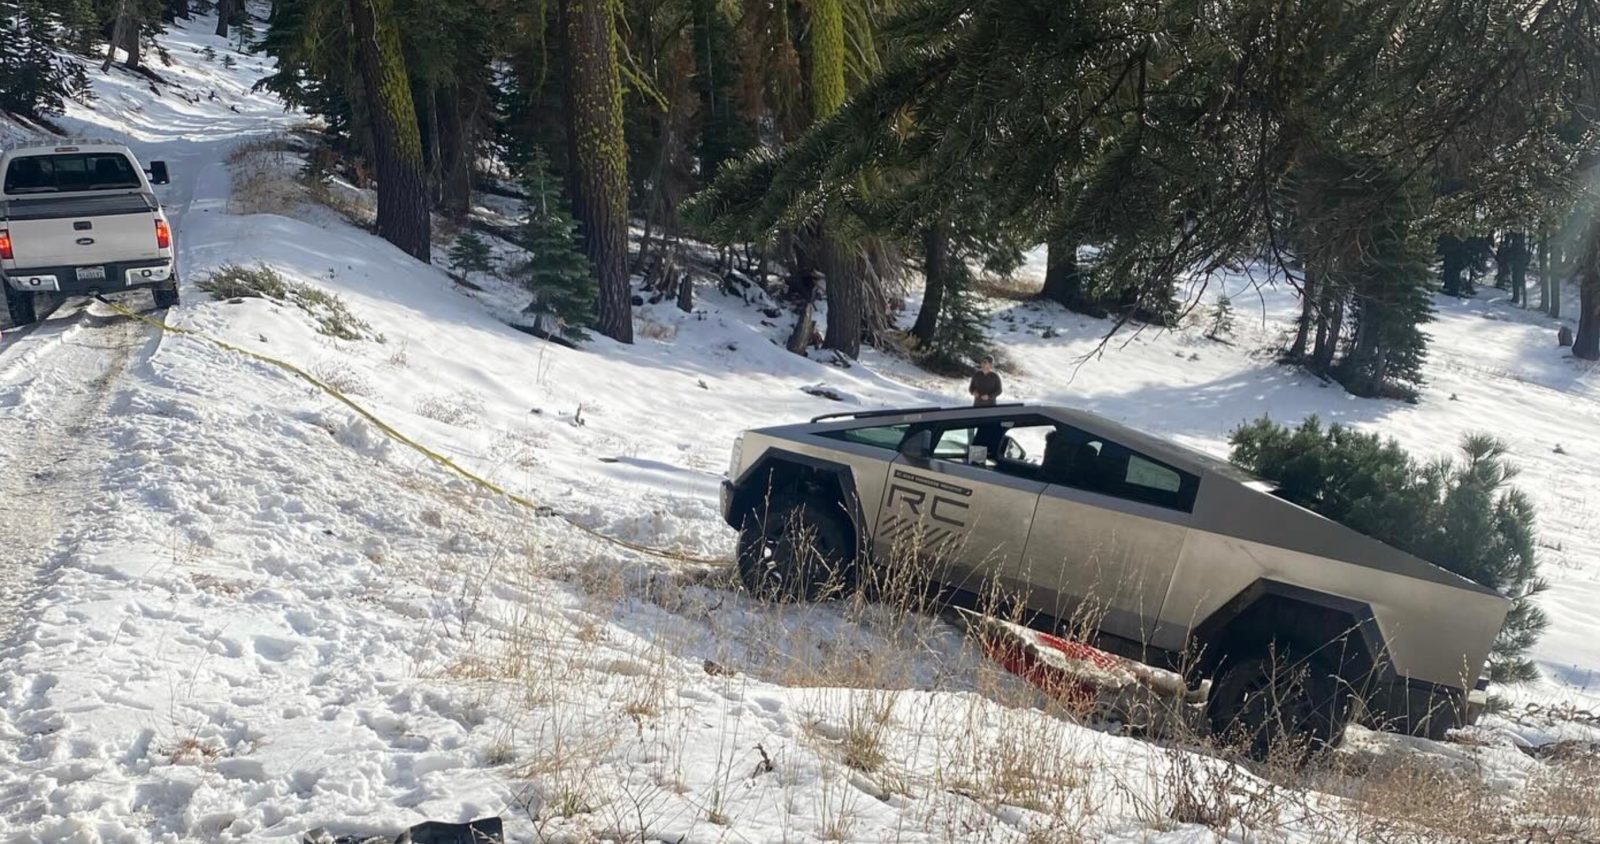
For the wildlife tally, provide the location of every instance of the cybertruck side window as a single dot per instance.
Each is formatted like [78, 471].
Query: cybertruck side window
[1094, 464]
[884, 436]
[1012, 445]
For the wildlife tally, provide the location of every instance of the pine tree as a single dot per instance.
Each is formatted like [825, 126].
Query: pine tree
[1462, 516]
[1221, 326]
[471, 255]
[1391, 301]
[724, 134]
[34, 80]
[961, 340]
[557, 273]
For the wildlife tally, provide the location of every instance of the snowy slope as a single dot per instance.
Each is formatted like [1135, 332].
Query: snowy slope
[242, 612]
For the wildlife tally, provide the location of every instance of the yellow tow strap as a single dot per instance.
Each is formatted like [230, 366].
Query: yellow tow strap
[392, 433]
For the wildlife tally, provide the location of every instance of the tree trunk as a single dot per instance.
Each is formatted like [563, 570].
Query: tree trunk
[1308, 315]
[1544, 271]
[457, 150]
[397, 142]
[686, 293]
[225, 13]
[846, 304]
[935, 270]
[1587, 344]
[1502, 262]
[801, 247]
[1063, 281]
[119, 30]
[804, 327]
[132, 44]
[1520, 258]
[1330, 321]
[430, 144]
[846, 299]
[599, 156]
[1453, 252]
[1362, 369]
[175, 9]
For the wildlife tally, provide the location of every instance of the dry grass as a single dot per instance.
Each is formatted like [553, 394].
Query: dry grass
[263, 178]
[342, 376]
[601, 724]
[462, 408]
[191, 750]
[356, 205]
[275, 175]
[329, 311]
[1007, 287]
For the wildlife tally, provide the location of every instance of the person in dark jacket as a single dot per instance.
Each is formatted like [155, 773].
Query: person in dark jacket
[985, 387]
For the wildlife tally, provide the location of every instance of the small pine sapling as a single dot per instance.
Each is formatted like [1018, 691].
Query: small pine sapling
[471, 255]
[1221, 327]
[556, 272]
[962, 337]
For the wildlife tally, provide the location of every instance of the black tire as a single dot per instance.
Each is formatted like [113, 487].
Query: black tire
[165, 297]
[22, 307]
[800, 550]
[1273, 704]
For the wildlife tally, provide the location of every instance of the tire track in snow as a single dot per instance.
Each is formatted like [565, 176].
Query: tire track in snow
[51, 457]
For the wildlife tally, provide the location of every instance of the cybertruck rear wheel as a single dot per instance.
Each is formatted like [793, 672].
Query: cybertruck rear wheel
[798, 550]
[21, 306]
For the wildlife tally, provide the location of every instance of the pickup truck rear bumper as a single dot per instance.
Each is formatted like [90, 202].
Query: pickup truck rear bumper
[74, 281]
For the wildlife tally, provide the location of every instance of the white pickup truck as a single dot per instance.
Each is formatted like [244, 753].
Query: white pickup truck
[79, 219]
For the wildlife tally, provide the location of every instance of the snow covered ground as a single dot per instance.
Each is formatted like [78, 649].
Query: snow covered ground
[235, 611]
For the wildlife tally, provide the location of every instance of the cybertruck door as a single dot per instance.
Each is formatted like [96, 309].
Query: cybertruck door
[1106, 539]
[961, 523]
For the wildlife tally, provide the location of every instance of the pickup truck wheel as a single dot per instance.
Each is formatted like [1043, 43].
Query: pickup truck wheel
[20, 305]
[800, 551]
[165, 297]
[1274, 703]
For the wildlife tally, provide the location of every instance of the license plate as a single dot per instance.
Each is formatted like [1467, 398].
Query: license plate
[91, 273]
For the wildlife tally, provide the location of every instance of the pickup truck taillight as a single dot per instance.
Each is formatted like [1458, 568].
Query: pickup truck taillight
[163, 234]
[5, 244]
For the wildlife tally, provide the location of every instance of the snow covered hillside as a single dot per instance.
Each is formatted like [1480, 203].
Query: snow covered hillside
[234, 610]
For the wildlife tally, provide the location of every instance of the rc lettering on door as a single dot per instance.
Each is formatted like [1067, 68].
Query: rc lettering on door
[932, 513]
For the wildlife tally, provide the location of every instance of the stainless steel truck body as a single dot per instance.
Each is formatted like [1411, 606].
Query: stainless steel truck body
[1154, 550]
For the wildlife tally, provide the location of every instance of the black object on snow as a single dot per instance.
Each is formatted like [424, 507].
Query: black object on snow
[480, 831]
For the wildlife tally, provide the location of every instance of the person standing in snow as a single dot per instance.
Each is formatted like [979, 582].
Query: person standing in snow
[985, 386]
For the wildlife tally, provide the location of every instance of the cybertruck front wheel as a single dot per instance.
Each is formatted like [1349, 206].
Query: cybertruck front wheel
[798, 550]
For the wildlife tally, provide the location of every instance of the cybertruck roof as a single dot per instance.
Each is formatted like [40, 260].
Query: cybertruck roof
[1183, 457]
